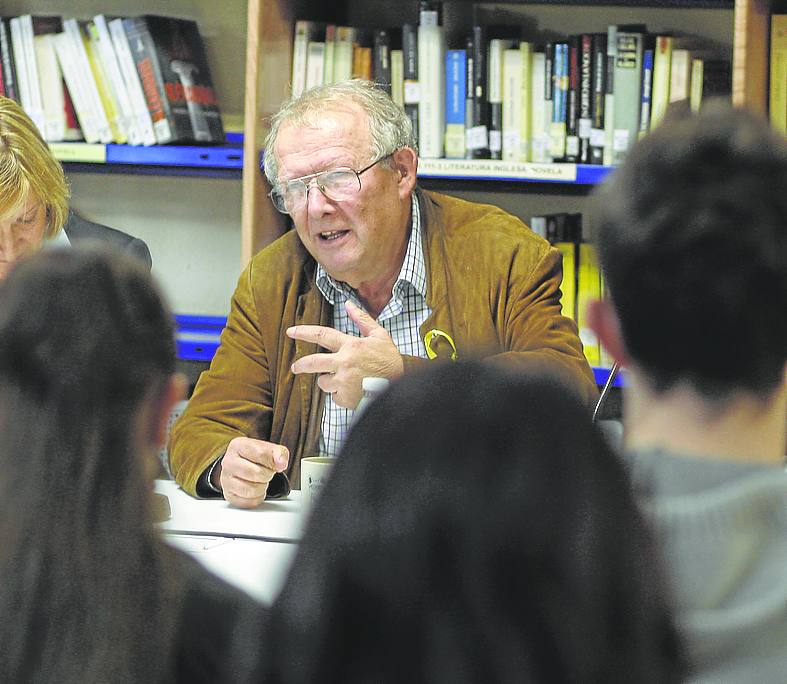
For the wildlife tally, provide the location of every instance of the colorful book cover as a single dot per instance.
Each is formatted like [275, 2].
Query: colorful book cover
[647, 92]
[173, 68]
[455, 86]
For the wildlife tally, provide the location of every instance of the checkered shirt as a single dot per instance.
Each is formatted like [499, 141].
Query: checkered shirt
[402, 317]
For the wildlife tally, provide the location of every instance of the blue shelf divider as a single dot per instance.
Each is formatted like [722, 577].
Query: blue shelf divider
[219, 157]
[601, 375]
[198, 337]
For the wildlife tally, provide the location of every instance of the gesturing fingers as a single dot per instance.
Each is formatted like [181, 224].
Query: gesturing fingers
[364, 322]
[325, 337]
[315, 363]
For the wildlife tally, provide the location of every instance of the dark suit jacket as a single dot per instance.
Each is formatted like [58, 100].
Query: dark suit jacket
[78, 229]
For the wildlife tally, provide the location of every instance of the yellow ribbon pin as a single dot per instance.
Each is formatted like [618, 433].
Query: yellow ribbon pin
[433, 335]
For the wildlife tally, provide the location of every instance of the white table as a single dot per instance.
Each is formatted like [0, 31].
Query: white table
[251, 549]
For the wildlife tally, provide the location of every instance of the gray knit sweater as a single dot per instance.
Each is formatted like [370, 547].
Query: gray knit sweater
[723, 532]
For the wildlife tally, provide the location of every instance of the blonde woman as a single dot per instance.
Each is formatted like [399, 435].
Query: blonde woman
[34, 197]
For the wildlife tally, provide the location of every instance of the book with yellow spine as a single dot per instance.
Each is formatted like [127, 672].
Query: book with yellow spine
[778, 81]
[588, 289]
[104, 87]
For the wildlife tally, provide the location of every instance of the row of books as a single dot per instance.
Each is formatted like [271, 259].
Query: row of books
[585, 99]
[582, 278]
[137, 80]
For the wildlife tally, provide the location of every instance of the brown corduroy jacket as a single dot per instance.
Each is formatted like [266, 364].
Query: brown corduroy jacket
[492, 285]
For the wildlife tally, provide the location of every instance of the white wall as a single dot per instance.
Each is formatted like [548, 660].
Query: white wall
[191, 225]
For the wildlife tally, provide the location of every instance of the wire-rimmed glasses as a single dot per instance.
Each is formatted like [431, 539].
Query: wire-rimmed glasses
[336, 184]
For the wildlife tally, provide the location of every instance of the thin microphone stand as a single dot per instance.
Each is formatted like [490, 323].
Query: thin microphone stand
[613, 372]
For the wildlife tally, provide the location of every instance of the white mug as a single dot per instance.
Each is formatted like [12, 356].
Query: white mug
[314, 475]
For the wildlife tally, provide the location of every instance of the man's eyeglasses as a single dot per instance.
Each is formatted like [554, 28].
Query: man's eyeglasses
[336, 184]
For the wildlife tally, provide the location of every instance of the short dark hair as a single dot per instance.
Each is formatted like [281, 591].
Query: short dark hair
[692, 237]
[84, 339]
[476, 528]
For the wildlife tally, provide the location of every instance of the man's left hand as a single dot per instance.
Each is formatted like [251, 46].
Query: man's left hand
[351, 358]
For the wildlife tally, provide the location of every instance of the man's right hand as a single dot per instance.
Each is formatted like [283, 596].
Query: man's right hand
[246, 469]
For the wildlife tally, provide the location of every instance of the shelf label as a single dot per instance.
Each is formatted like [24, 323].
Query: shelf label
[79, 152]
[496, 169]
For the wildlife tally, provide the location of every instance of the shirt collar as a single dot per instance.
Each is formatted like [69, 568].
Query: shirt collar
[60, 239]
[413, 271]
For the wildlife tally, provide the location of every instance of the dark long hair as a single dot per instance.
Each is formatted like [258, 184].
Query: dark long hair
[476, 528]
[84, 339]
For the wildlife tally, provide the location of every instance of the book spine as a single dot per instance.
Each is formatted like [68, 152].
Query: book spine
[680, 76]
[628, 94]
[330, 40]
[512, 104]
[647, 91]
[146, 62]
[526, 132]
[105, 93]
[27, 72]
[51, 80]
[411, 91]
[362, 62]
[589, 289]
[778, 78]
[304, 30]
[85, 75]
[559, 102]
[36, 105]
[9, 69]
[381, 59]
[455, 84]
[184, 74]
[539, 141]
[585, 96]
[64, 49]
[397, 77]
[128, 70]
[599, 67]
[21, 63]
[697, 68]
[495, 95]
[609, 93]
[106, 50]
[431, 75]
[343, 53]
[549, 97]
[662, 66]
[315, 64]
[477, 116]
[572, 107]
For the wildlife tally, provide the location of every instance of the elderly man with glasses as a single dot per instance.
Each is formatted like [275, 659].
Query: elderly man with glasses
[378, 278]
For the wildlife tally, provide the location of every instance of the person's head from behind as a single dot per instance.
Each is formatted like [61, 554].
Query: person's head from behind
[341, 159]
[692, 235]
[86, 384]
[33, 189]
[476, 528]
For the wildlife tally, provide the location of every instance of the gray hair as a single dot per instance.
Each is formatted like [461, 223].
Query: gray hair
[389, 127]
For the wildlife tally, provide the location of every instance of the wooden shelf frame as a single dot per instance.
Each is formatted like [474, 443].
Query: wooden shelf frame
[268, 64]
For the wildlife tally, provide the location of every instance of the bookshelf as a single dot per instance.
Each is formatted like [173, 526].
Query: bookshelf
[251, 90]
[185, 202]
[739, 27]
